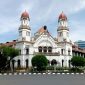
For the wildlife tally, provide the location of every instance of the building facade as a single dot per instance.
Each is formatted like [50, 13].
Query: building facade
[58, 49]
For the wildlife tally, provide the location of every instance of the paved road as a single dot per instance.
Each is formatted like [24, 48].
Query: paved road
[43, 79]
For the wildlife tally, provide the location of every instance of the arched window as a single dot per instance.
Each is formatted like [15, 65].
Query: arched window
[26, 63]
[62, 51]
[50, 49]
[27, 51]
[45, 49]
[40, 49]
[69, 52]
[18, 63]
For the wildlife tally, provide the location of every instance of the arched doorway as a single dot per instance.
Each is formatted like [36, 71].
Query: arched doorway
[53, 62]
[18, 63]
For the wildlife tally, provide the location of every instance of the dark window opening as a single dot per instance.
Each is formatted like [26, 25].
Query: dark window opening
[62, 62]
[45, 49]
[50, 49]
[62, 51]
[68, 52]
[27, 51]
[26, 63]
[40, 49]
[53, 62]
[19, 65]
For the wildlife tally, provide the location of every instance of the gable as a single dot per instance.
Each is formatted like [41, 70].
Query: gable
[45, 40]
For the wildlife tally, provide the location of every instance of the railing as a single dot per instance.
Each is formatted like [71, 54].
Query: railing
[48, 54]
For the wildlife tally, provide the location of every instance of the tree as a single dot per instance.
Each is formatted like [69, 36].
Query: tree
[7, 54]
[3, 61]
[40, 62]
[9, 51]
[78, 61]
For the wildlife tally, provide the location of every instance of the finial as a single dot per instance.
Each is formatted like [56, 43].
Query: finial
[62, 11]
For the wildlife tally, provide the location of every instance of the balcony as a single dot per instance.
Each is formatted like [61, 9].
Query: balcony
[48, 54]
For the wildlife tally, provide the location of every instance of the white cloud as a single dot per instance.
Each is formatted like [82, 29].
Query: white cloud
[80, 6]
[41, 12]
[77, 30]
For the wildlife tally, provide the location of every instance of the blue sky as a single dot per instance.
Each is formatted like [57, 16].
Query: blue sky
[42, 12]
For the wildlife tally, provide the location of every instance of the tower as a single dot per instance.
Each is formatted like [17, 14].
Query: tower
[23, 43]
[24, 29]
[63, 39]
[63, 30]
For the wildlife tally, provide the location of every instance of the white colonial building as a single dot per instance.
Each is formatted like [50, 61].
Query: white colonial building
[58, 49]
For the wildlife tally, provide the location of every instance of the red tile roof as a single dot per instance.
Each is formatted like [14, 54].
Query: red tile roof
[62, 16]
[77, 49]
[42, 30]
[25, 15]
[11, 44]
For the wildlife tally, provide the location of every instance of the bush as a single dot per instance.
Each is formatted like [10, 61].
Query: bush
[76, 70]
[78, 61]
[50, 68]
[40, 62]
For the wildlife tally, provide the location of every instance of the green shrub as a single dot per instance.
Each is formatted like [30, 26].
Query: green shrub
[40, 62]
[75, 70]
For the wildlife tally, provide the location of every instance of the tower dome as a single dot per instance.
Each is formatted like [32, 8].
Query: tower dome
[25, 14]
[62, 16]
